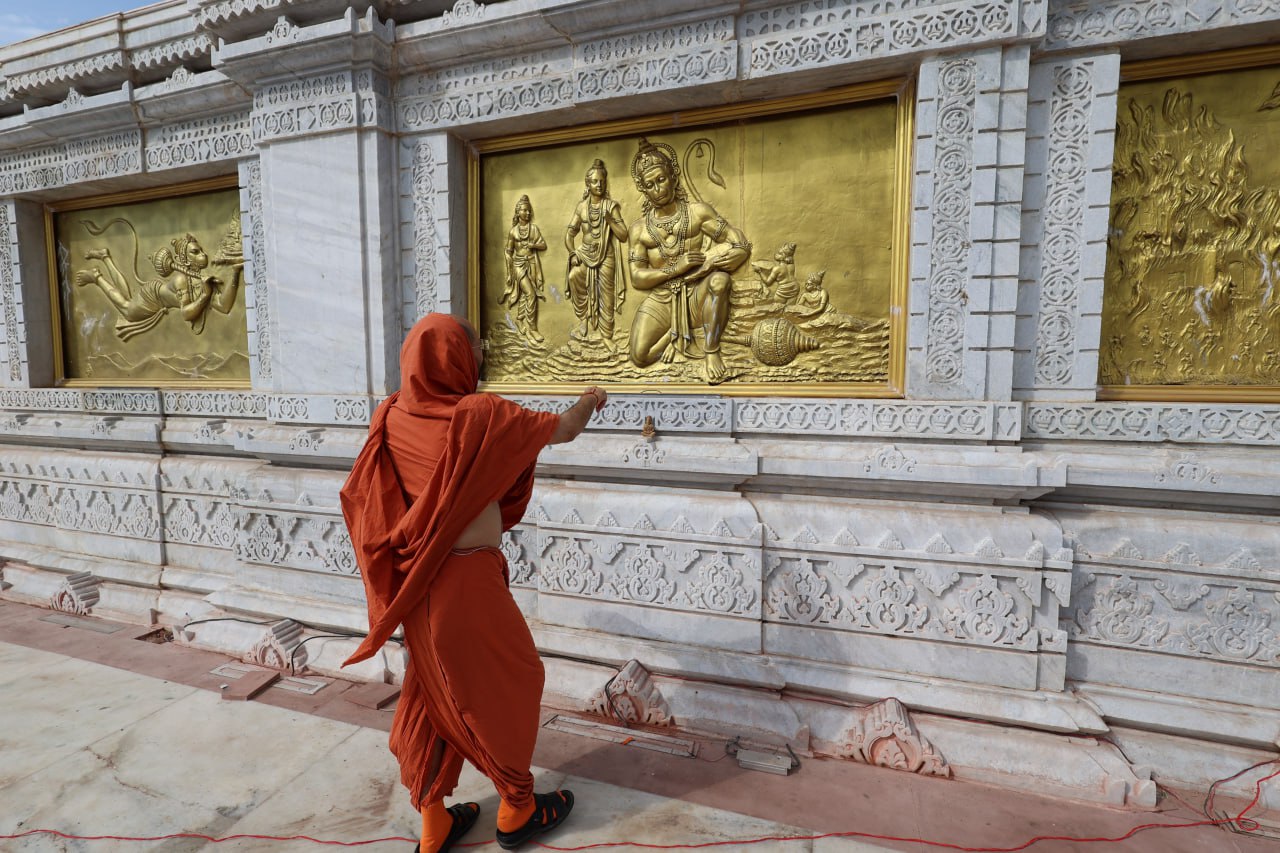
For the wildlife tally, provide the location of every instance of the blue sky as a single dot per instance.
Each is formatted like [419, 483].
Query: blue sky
[22, 19]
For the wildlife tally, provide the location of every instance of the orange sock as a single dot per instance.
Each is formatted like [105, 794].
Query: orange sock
[436, 825]
[511, 818]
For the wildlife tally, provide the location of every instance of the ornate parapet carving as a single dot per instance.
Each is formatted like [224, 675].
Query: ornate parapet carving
[278, 647]
[334, 101]
[486, 90]
[207, 139]
[631, 696]
[78, 594]
[809, 35]
[883, 734]
[1074, 24]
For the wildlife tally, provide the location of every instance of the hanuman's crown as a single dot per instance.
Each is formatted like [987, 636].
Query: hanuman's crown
[650, 156]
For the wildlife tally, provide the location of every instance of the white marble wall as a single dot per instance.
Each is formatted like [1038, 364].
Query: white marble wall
[996, 545]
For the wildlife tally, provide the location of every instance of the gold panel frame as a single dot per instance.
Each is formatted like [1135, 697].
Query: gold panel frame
[782, 278]
[1210, 310]
[145, 288]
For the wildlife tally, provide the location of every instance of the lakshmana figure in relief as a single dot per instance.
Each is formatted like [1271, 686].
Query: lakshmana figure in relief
[682, 253]
[524, 270]
[593, 282]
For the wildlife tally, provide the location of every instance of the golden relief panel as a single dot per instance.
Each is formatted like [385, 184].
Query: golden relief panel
[747, 248]
[1191, 307]
[148, 287]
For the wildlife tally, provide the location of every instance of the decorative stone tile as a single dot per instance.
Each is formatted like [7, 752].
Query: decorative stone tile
[67, 400]
[628, 412]
[1193, 423]
[873, 418]
[319, 409]
[227, 404]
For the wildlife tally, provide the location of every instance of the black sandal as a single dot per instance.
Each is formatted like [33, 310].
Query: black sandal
[464, 817]
[549, 811]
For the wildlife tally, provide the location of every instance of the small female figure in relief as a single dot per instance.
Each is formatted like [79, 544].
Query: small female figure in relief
[182, 285]
[592, 279]
[524, 270]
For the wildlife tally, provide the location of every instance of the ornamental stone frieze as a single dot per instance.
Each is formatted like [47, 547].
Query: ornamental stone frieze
[1184, 423]
[986, 579]
[1073, 24]
[670, 575]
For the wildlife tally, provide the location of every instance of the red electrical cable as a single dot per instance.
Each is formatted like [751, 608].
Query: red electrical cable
[1247, 825]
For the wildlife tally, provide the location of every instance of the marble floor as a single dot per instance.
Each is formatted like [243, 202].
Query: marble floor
[102, 734]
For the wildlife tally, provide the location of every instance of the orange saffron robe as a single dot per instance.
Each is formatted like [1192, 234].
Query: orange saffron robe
[474, 682]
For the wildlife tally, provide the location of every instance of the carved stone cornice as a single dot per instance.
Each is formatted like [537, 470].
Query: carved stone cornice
[137, 47]
[289, 51]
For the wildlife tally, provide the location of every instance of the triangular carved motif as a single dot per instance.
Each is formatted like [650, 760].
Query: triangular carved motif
[722, 529]
[939, 545]
[806, 536]
[890, 542]
[845, 537]
[644, 522]
[1126, 550]
[988, 548]
[607, 519]
[572, 518]
[682, 525]
[1182, 555]
[1243, 559]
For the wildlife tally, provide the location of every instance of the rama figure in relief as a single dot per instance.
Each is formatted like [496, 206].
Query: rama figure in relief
[596, 279]
[683, 255]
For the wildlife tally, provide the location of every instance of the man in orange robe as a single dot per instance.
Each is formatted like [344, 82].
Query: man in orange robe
[444, 472]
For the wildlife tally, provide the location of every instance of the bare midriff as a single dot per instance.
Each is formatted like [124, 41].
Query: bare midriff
[484, 530]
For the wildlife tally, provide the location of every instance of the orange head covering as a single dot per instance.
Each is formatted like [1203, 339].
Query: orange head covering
[437, 367]
[487, 455]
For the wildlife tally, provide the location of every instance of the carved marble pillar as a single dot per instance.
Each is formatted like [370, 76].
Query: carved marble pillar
[433, 226]
[325, 181]
[1066, 202]
[26, 352]
[970, 147]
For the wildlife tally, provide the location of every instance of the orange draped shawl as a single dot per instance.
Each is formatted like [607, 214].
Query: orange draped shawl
[490, 448]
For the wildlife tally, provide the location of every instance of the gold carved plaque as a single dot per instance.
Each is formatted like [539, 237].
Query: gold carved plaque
[1191, 306]
[149, 287]
[752, 248]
